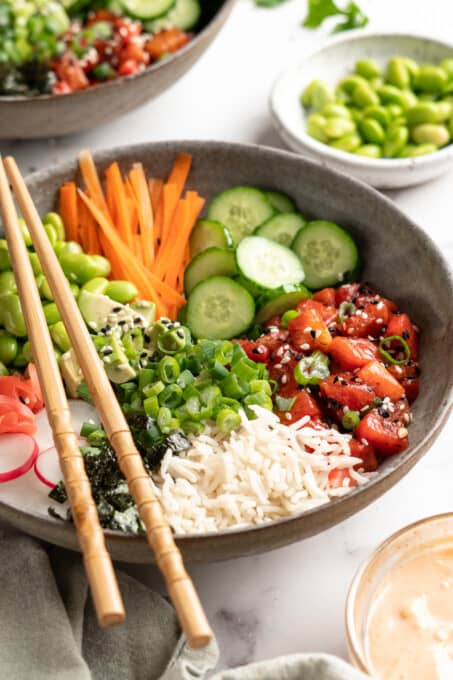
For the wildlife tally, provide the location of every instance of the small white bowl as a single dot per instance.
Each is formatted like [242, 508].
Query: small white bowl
[331, 63]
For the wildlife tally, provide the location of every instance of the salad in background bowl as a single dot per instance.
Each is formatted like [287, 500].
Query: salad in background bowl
[110, 56]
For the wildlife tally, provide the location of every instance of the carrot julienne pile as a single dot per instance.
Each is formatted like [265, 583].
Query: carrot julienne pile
[140, 224]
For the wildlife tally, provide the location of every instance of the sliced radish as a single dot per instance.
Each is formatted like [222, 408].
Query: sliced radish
[47, 465]
[18, 453]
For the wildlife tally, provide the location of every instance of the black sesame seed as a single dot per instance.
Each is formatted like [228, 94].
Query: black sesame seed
[106, 351]
[116, 309]
[180, 334]
[313, 334]
[405, 335]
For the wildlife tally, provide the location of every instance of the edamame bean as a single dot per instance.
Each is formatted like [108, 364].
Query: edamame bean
[414, 150]
[423, 112]
[25, 233]
[75, 290]
[60, 336]
[44, 290]
[450, 127]
[55, 220]
[20, 361]
[396, 139]
[397, 73]
[447, 66]
[35, 263]
[379, 113]
[395, 110]
[12, 316]
[372, 131]
[338, 127]
[70, 247]
[363, 95]
[51, 313]
[315, 127]
[409, 98]
[411, 66]
[51, 233]
[430, 79]
[26, 352]
[80, 268]
[306, 97]
[3, 370]
[427, 97]
[121, 291]
[321, 96]
[369, 151]
[444, 111]
[5, 262]
[7, 283]
[97, 285]
[356, 114]
[8, 347]
[368, 68]
[349, 83]
[336, 111]
[430, 134]
[389, 94]
[347, 143]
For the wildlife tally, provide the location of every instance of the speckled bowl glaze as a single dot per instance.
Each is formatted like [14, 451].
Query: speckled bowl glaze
[53, 116]
[332, 62]
[400, 260]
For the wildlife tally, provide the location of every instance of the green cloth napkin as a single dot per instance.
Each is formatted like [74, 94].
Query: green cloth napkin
[48, 629]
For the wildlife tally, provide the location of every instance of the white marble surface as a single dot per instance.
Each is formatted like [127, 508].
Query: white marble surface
[290, 600]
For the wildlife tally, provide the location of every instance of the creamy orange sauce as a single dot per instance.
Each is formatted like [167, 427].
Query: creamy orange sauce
[410, 625]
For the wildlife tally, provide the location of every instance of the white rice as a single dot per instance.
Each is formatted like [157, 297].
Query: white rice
[262, 471]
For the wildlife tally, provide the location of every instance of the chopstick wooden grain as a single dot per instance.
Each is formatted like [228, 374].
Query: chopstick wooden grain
[98, 565]
[180, 587]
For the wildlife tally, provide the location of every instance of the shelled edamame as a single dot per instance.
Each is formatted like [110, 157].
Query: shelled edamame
[83, 271]
[402, 111]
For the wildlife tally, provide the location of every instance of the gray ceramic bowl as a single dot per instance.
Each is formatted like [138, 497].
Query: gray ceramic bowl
[53, 116]
[401, 261]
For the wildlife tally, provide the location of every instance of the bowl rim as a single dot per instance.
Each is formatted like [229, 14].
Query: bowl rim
[352, 635]
[218, 18]
[406, 460]
[319, 149]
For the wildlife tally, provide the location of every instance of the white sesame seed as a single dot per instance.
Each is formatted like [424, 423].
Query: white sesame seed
[288, 416]
[305, 346]
[284, 379]
[402, 433]
[379, 320]
[364, 442]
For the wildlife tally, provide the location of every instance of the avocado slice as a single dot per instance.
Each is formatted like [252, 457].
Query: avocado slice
[116, 363]
[71, 372]
[146, 309]
[100, 311]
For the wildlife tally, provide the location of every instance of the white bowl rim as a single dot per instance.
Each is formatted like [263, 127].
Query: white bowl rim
[323, 150]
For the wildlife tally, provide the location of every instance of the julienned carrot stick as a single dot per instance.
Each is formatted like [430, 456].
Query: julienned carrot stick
[180, 172]
[194, 205]
[82, 236]
[118, 192]
[68, 210]
[145, 212]
[132, 207]
[155, 185]
[155, 191]
[92, 181]
[137, 273]
[165, 257]
[169, 204]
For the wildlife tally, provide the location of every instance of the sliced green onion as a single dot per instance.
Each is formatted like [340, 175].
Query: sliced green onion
[260, 386]
[224, 352]
[172, 341]
[151, 406]
[231, 386]
[387, 353]
[228, 420]
[145, 377]
[312, 369]
[345, 310]
[154, 388]
[350, 420]
[288, 316]
[245, 369]
[185, 378]
[258, 399]
[193, 407]
[284, 404]
[192, 427]
[164, 418]
[171, 396]
[169, 370]
[211, 396]
[218, 370]
[87, 429]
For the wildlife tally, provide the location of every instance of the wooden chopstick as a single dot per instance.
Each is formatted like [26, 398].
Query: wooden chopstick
[180, 587]
[98, 565]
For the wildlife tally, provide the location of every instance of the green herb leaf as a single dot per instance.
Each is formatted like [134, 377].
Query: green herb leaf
[320, 10]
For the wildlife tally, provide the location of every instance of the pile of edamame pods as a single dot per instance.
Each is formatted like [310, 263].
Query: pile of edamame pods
[402, 112]
[81, 270]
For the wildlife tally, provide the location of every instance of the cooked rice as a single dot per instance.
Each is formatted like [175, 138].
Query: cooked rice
[263, 471]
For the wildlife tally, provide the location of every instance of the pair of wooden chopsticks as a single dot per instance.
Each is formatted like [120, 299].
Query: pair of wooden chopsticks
[98, 565]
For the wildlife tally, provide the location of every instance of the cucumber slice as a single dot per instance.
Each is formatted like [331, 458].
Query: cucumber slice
[147, 9]
[279, 301]
[328, 253]
[267, 264]
[280, 202]
[182, 315]
[282, 228]
[206, 234]
[219, 309]
[241, 210]
[211, 262]
[185, 14]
